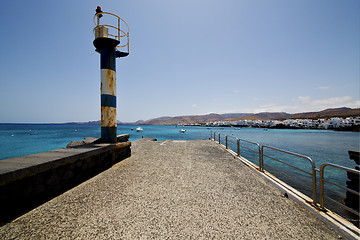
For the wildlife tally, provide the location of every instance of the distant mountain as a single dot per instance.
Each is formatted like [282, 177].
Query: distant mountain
[330, 112]
[262, 116]
[327, 113]
[192, 119]
[213, 117]
[184, 119]
[233, 115]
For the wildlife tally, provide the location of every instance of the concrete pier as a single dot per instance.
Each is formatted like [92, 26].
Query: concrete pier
[173, 190]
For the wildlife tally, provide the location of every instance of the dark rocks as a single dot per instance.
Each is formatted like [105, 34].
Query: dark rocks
[352, 200]
[90, 140]
[355, 155]
[87, 140]
[123, 138]
[146, 140]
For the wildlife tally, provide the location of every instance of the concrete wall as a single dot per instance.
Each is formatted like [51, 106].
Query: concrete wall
[26, 182]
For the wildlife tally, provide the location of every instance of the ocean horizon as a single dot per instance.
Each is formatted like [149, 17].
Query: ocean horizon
[19, 139]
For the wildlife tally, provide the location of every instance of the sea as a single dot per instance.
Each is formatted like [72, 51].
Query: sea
[322, 146]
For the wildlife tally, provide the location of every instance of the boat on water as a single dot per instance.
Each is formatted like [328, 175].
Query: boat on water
[182, 130]
[139, 129]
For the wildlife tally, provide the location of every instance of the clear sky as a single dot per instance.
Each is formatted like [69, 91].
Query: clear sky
[186, 57]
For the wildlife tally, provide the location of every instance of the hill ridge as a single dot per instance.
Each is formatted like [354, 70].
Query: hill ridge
[212, 117]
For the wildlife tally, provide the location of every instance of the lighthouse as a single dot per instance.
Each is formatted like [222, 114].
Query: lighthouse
[110, 42]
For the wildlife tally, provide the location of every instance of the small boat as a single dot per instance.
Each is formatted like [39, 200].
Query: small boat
[182, 130]
[139, 129]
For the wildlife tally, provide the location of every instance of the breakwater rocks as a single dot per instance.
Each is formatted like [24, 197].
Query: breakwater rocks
[26, 182]
[352, 200]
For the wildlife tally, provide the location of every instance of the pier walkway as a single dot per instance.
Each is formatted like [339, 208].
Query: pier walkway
[171, 189]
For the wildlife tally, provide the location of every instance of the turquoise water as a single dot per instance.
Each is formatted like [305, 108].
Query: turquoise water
[320, 145]
[24, 139]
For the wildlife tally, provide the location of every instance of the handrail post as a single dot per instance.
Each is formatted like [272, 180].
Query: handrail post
[322, 186]
[238, 147]
[219, 138]
[226, 141]
[314, 186]
[261, 158]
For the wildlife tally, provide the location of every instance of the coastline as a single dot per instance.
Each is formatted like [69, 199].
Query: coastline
[354, 128]
[340, 129]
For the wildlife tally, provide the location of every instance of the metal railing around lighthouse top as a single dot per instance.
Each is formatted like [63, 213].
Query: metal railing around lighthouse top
[119, 32]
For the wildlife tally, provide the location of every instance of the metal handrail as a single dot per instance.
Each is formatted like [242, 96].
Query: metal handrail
[253, 143]
[249, 149]
[228, 140]
[322, 180]
[313, 174]
[124, 33]
[277, 160]
[288, 177]
[238, 146]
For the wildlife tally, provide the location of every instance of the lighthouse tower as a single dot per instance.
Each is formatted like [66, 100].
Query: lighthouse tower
[107, 43]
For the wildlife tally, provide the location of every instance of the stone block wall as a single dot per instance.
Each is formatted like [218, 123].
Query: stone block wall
[26, 182]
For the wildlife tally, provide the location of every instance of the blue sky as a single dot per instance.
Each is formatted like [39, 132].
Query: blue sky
[186, 57]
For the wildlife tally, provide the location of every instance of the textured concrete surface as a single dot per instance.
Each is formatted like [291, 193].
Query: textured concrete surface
[175, 190]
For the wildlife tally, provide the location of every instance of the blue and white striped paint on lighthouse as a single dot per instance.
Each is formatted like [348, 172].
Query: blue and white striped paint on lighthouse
[108, 95]
[106, 48]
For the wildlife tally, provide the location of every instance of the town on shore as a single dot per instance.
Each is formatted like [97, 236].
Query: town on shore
[342, 119]
[335, 123]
